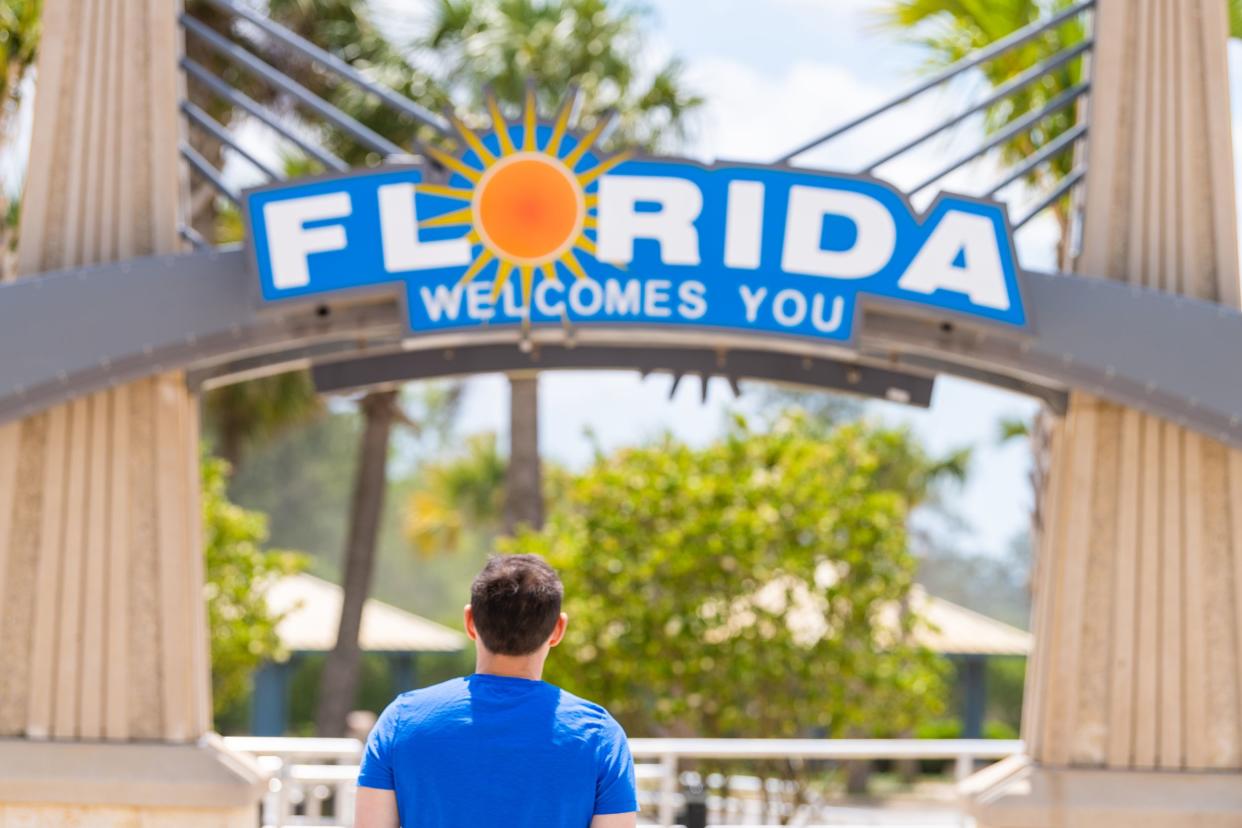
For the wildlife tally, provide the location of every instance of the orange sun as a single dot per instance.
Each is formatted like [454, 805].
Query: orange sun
[528, 207]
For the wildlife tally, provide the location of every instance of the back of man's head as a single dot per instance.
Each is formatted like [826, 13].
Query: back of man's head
[516, 602]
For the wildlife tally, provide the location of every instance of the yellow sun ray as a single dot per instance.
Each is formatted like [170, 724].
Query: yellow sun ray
[472, 140]
[456, 217]
[458, 193]
[528, 279]
[549, 272]
[499, 125]
[589, 139]
[473, 237]
[590, 223]
[529, 121]
[455, 164]
[476, 267]
[592, 200]
[572, 264]
[585, 245]
[561, 125]
[604, 166]
[502, 276]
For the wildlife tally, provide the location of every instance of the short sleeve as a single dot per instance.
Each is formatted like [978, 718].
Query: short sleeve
[614, 780]
[376, 770]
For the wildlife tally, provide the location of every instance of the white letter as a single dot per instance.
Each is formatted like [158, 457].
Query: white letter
[510, 298]
[620, 223]
[981, 277]
[290, 241]
[691, 293]
[744, 225]
[655, 294]
[752, 299]
[778, 307]
[804, 225]
[479, 300]
[399, 235]
[817, 313]
[619, 300]
[541, 299]
[444, 302]
[575, 297]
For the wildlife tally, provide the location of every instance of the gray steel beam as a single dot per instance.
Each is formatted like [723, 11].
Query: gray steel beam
[70, 333]
[733, 365]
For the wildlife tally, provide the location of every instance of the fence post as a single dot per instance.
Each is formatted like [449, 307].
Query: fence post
[668, 787]
[963, 767]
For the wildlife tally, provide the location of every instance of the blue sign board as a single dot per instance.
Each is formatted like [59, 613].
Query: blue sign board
[536, 227]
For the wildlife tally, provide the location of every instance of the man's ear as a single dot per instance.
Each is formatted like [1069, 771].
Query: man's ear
[558, 632]
[471, 632]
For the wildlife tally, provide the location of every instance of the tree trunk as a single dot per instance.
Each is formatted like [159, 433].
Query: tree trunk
[339, 685]
[524, 478]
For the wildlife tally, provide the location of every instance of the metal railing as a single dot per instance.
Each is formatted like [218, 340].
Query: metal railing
[311, 777]
[309, 109]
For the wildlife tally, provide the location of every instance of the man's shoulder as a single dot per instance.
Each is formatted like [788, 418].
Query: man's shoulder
[586, 713]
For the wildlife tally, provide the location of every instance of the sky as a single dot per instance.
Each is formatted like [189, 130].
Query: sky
[775, 74]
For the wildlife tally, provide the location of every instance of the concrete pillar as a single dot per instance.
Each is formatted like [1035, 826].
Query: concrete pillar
[1133, 713]
[102, 624]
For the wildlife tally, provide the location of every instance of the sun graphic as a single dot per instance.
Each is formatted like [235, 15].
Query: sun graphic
[529, 208]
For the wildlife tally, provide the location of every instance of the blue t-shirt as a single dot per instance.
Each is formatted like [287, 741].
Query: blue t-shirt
[490, 750]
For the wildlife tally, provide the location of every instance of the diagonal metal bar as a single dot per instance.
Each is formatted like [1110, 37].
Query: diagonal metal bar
[203, 167]
[1016, 84]
[278, 80]
[1047, 201]
[1019, 126]
[972, 60]
[1047, 151]
[335, 65]
[191, 235]
[218, 131]
[260, 113]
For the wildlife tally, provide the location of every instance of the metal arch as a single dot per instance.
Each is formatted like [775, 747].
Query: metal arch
[732, 365]
[1162, 353]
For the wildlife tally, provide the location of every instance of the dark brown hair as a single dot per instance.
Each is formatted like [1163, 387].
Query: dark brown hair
[516, 601]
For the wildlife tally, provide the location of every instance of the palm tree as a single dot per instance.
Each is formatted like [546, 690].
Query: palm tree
[559, 45]
[19, 44]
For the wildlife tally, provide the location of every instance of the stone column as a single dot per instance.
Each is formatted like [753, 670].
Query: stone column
[1133, 712]
[104, 674]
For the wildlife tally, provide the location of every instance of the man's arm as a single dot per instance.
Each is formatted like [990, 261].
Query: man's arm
[375, 808]
[611, 821]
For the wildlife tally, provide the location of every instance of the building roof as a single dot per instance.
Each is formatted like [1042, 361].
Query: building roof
[956, 630]
[314, 612]
[951, 629]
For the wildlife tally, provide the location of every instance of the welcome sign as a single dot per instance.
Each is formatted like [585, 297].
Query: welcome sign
[530, 224]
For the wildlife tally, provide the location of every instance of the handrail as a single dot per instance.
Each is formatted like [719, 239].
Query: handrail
[334, 64]
[1000, 47]
[281, 82]
[667, 752]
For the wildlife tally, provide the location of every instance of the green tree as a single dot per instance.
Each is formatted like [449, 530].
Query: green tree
[19, 45]
[593, 46]
[748, 588]
[239, 569]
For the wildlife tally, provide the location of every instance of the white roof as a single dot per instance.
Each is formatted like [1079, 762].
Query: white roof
[956, 630]
[314, 613]
[950, 629]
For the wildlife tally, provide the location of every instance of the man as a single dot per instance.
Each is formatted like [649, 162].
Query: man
[500, 747]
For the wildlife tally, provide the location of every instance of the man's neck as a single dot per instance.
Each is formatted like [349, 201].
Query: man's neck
[524, 667]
